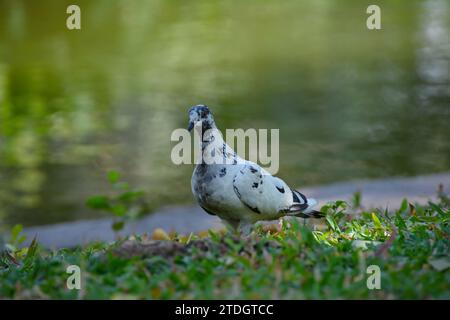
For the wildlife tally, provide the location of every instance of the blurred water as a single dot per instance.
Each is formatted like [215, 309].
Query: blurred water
[350, 103]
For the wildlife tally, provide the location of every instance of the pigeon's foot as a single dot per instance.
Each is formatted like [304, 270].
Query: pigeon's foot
[245, 229]
[239, 228]
[231, 224]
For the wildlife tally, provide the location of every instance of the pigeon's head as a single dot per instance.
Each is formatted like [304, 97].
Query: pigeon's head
[201, 113]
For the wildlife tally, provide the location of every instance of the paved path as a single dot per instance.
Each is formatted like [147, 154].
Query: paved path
[375, 193]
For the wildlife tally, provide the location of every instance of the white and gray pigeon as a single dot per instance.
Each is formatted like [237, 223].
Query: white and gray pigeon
[238, 191]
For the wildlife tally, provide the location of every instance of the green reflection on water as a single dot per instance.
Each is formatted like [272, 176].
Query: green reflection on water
[350, 103]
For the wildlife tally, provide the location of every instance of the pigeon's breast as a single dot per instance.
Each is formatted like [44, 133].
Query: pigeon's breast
[212, 186]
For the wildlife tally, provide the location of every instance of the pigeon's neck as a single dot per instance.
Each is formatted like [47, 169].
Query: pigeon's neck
[208, 125]
[213, 146]
[211, 134]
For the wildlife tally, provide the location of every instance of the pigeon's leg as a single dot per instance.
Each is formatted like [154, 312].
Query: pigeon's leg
[232, 225]
[245, 228]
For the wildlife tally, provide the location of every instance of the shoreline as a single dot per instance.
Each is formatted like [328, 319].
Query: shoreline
[379, 193]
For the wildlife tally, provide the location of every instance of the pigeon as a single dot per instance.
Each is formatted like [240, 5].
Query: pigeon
[236, 190]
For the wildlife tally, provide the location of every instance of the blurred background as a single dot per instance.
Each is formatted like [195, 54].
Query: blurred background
[350, 103]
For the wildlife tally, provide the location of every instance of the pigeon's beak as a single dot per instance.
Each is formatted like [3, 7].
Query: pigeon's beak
[191, 126]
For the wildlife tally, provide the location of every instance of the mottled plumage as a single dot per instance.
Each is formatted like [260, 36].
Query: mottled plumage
[236, 190]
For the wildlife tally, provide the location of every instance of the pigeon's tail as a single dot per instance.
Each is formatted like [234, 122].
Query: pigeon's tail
[311, 214]
[303, 207]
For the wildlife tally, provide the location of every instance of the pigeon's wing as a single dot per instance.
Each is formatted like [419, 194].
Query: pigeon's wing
[269, 195]
[261, 192]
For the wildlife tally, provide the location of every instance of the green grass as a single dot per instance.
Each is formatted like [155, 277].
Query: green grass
[289, 261]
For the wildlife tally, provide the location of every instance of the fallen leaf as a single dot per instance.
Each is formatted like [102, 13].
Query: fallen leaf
[363, 244]
[382, 251]
[160, 234]
[440, 264]
[412, 209]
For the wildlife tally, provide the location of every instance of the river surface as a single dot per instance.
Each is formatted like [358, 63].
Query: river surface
[350, 103]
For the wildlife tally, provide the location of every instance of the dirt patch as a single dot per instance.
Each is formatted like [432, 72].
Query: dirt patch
[149, 248]
[167, 249]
